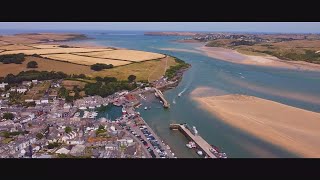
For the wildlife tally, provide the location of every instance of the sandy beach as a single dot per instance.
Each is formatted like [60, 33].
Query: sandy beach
[269, 61]
[290, 128]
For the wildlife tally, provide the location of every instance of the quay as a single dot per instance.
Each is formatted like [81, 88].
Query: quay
[200, 142]
[160, 95]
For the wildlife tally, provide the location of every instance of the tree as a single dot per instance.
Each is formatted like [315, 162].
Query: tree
[8, 116]
[63, 92]
[82, 76]
[32, 64]
[99, 66]
[68, 129]
[39, 135]
[98, 78]
[101, 127]
[131, 78]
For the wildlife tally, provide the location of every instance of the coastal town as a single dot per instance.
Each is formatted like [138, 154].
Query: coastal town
[55, 128]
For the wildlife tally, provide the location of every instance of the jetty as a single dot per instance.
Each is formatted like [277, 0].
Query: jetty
[160, 95]
[200, 142]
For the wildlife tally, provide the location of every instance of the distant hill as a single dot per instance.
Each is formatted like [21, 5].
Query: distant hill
[171, 33]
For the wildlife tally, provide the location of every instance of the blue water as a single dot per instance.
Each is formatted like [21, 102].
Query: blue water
[284, 86]
[294, 88]
[110, 112]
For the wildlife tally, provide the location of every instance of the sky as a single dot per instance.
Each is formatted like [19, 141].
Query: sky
[272, 27]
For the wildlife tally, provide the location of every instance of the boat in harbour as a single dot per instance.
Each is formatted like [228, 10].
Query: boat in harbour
[217, 152]
[124, 111]
[200, 153]
[191, 145]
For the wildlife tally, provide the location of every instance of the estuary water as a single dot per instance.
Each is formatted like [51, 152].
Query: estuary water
[294, 88]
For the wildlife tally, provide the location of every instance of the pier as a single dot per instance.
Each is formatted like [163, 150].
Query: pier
[160, 95]
[200, 142]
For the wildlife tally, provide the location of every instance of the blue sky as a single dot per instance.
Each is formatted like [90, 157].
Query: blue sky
[281, 27]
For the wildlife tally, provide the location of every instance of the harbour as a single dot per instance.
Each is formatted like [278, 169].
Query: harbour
[197, 142]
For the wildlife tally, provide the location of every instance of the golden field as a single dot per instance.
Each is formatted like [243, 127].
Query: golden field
[53, 51]
[15, 47]
[85, 60]
[45, 46]
[78, 58]
[32, 38]
[3, 43]
[121, 54]
[44, 65]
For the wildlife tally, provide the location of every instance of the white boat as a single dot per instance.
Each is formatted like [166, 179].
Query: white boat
[124, 111]
[200, 153]
[191, 145]
[195, 131]
[145, 108]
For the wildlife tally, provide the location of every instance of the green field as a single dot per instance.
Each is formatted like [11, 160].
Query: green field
[146, 71]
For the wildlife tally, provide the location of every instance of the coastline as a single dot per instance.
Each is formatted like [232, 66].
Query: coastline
[234, 56]
[285, 127]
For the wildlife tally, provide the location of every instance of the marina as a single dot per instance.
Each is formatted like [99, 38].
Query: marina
[198, 142]
[159, 94]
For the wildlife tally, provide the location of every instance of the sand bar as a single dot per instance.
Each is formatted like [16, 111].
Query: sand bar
[293, 129]
[269, 61]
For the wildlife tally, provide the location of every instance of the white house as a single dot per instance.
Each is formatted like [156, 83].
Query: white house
[44, 101]
[5, 95]
[26, 83]
[34, 81]
[27, 118]
[25, 144]
[3, 85]
[37, 102]
[69, 136]
[21, 89]
[29, 100]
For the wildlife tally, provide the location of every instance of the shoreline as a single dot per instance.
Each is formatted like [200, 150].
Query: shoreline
[234, 56]
[285, 127]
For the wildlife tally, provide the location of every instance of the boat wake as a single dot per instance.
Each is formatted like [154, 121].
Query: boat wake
[182, 92]
[174, 101]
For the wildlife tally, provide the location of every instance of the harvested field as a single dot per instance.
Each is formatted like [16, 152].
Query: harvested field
[45, 46]
[44, 65]
[32, 38]
[85, 60]
[15, 47]
[129, 55]
[18, 40]
[3, 43]
[143, 71]
[54, 51]
[69, 84]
